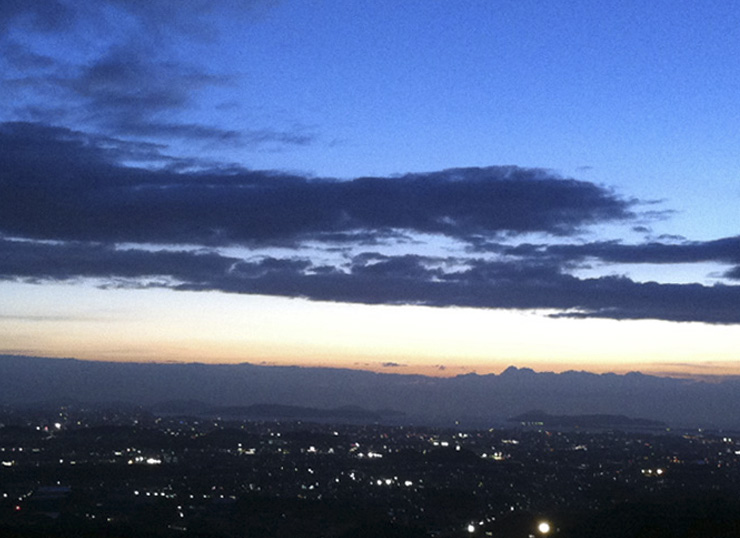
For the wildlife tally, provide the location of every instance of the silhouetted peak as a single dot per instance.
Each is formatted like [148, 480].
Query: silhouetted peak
[513, 370]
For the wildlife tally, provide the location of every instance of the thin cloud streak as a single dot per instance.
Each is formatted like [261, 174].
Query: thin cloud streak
[724, 250]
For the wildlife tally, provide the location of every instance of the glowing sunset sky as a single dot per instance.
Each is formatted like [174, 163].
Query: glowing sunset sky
[436, 187]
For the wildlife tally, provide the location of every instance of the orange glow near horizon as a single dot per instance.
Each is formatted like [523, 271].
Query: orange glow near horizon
[158, 325]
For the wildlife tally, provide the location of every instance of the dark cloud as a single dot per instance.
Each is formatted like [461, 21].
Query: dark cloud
[69, 199]
[621, 298]
[54, 261]
[268, 266]
[68, 202]
[122, 81]
[60, 184]
[129, 92]
[733, 273]
[398, 280]
[503, 286]
[726, 250]
[671, 237]
[136, 86]
[403, 267]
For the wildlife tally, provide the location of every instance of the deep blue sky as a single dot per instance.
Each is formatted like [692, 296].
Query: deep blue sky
[571, 162]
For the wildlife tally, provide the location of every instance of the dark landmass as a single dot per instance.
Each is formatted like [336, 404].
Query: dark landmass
[275, 411]
[470, 400]
[540, 418]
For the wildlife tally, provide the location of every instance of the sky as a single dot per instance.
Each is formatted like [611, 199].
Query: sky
[407, 187]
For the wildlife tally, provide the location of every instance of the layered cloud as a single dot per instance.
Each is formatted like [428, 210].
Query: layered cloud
[724, 250]
[70, 209]
[375, 279]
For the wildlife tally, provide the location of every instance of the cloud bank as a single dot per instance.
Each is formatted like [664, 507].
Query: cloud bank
[73, 206]
[60, 184]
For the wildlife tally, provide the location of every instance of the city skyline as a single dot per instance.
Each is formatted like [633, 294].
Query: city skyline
[424, 188]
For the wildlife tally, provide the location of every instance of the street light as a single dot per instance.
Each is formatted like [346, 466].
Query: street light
[544, 527]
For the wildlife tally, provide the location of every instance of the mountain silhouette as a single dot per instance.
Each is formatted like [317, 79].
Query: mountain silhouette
[471, 399]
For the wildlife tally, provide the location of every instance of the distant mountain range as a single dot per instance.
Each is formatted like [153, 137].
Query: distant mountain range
[471, 400]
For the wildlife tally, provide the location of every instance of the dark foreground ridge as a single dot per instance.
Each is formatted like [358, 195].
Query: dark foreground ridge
[471, 400]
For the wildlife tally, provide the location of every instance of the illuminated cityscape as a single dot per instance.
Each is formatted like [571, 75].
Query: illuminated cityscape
[73, 470]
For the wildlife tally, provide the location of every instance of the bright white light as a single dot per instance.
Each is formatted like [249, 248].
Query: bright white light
[544, 527]
[471, 528]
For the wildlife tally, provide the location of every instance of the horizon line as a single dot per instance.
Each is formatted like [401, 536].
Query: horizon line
[387, 368]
